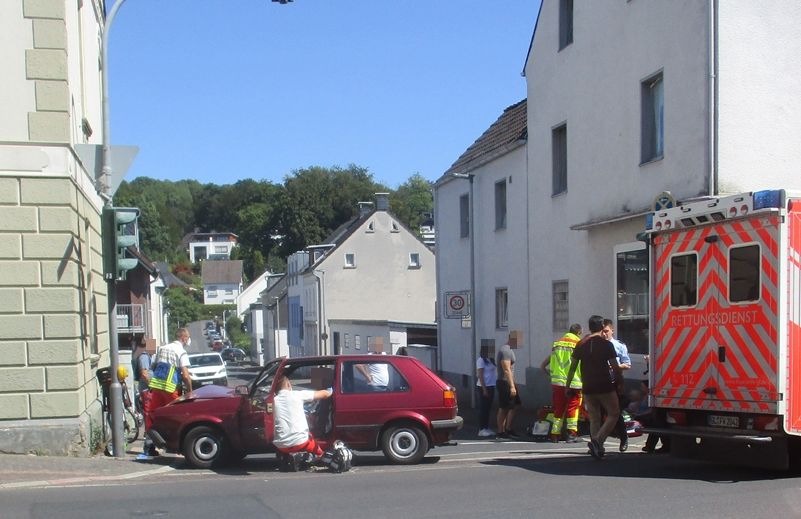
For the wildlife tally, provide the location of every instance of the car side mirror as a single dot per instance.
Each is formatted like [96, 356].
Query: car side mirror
[242, 390]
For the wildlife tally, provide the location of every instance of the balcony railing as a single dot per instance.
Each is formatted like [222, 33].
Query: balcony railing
[131, 319]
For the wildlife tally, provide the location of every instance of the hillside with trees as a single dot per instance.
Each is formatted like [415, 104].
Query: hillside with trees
[272, 220]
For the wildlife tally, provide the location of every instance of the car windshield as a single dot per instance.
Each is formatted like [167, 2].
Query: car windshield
[205, 360]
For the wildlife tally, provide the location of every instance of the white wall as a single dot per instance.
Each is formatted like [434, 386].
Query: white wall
[760, 109]
[17, 94]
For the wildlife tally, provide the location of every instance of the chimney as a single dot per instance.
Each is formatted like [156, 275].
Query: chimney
[382, 201]
[365, 208]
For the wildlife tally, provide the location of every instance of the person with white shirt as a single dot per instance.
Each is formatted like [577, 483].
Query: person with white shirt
[290, 428]
[486, 375]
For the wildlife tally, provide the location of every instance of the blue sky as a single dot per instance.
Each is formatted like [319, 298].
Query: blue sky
[221, 90]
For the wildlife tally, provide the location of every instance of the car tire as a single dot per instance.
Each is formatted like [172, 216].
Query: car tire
[204, 447]
[404, 444]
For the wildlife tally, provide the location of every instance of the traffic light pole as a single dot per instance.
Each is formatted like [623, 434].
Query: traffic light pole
[115, 391]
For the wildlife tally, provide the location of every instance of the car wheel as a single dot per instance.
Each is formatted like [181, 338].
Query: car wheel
[204, 447]
[404, 444]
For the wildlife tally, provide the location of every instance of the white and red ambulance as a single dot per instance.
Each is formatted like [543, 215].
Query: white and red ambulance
[725, 334]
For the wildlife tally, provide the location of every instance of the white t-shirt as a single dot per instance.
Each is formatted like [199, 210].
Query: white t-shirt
[173, 354]
[290, 427]
[490, 372]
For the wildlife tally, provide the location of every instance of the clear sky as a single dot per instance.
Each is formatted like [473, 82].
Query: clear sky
[221, 90]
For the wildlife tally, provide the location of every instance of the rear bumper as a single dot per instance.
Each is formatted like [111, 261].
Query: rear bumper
[454, 423]
[736, 436]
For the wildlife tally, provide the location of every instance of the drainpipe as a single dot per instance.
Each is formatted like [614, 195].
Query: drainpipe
[713, 97]
[322, 332]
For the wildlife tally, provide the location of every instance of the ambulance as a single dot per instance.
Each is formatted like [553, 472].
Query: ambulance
[725, 332]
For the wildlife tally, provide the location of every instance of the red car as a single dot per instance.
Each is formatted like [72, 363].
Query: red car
[406, 410]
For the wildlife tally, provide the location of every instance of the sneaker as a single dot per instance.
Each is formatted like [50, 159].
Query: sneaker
[596, 449]
[502, 436]
[485, 433]
[512, 435]
[144, 457]
[624, 443]
[572, 437]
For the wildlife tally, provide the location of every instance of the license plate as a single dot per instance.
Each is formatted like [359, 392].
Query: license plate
[206, 382]
[723, 421]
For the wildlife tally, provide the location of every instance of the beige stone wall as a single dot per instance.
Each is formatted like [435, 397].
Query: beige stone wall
[53, 306]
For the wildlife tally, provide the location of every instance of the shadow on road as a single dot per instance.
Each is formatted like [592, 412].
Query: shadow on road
[641, 466]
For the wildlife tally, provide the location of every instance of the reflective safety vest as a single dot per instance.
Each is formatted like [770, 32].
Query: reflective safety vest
[165, 375]
[561, 357]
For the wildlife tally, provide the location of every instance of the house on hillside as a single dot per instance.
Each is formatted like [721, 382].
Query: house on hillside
[250, 310]
[209, 245]
[275, 318]
[682, 100]
[492, 169]
[372, 278]
[222, 281]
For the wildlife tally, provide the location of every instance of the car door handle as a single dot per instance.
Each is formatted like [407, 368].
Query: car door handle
[722, 353]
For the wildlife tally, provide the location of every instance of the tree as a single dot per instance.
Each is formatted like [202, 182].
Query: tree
[412, 200]
[184, 306]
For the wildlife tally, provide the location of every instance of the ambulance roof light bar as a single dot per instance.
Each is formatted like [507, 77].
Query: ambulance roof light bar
[697, 213]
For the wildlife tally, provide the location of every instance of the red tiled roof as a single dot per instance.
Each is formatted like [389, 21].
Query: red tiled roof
[509, 128]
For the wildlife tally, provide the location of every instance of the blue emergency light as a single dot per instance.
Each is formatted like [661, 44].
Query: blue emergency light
[769, 198]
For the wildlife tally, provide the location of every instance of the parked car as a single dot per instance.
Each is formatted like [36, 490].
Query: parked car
[414, 411]
[207, 368]
[233, 354]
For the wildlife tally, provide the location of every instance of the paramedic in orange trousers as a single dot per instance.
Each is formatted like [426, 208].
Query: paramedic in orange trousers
[596, 356]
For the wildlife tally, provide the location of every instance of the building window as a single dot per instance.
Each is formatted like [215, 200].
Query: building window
[464, 216]
[684, 280]
[500, 205]
[744, 273]
[350, 260]
[501, 308]
[357, 342]
[228, 292]
[414, 260]
[565, 23]
[559, 145]
[220, 249]
[347, 341]
[653, 118]
[560, 306]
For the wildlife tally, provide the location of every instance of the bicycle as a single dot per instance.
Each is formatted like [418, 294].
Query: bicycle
[132, 420]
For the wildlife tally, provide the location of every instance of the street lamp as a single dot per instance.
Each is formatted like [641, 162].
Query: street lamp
[473, 299]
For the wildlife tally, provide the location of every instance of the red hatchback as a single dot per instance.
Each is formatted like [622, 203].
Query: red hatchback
[380, 402]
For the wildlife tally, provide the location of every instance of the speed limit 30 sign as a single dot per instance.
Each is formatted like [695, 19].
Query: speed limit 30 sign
[457, 304]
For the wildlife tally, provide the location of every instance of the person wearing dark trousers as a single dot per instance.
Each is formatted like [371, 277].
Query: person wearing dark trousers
[624, 361]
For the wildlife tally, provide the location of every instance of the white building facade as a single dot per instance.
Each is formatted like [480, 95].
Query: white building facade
[627, 100]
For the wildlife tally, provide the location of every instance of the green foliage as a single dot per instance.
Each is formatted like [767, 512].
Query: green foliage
[185, 305]
[272, 221]
[238, 338]
[412, 200]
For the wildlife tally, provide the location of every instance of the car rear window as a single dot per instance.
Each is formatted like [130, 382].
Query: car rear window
[205, 360]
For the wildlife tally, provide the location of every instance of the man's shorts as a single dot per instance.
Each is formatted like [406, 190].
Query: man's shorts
[505, 398]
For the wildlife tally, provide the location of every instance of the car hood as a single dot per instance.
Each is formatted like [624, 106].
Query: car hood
[208, 393]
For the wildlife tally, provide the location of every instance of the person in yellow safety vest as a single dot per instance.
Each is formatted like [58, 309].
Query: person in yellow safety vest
[170, 371]
[565, 408]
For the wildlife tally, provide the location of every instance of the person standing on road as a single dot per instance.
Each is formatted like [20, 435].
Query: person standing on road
[142, 374]
[486, 375]
[508, 398]
[170, 367]
[596, 355]
[565, 407]
[624, 361]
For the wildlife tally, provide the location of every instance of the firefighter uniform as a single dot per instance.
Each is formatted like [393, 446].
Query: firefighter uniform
[565, 408]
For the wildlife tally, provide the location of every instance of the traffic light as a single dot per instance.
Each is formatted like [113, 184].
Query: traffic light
[120, 231]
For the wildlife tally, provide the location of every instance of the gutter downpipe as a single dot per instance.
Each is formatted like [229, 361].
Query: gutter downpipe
[437, 282]
[713, 97]
[321, 332]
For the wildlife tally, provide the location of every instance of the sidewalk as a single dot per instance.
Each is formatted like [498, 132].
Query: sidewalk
[32, 471]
